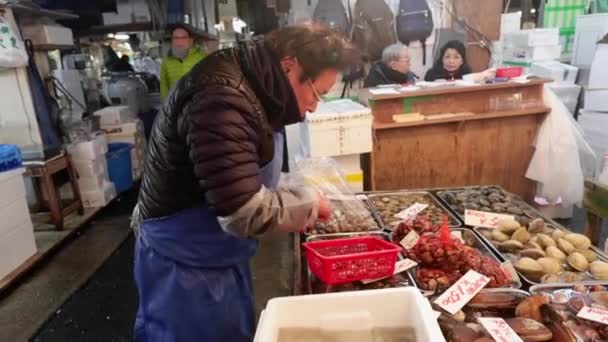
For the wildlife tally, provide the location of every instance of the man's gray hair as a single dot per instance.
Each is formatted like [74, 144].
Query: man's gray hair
[393, 52]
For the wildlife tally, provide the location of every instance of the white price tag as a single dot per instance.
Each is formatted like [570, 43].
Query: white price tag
[484, 219]
[400, 266]
[412, 211]
[459, 294]
[410, 240]
[594, 314]
[499, 329]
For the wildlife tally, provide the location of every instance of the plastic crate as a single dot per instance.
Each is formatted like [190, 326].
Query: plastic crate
[346, 260]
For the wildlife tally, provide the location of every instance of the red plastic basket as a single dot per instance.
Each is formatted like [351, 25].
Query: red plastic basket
[346, 260]
[509, 72]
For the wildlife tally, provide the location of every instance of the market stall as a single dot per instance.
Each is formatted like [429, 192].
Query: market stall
[456, 135]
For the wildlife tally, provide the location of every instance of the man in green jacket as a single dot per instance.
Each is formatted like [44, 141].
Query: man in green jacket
[180, 61]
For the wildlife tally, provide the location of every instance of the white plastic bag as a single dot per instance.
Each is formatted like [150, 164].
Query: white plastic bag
[562, 159]
[12, 50]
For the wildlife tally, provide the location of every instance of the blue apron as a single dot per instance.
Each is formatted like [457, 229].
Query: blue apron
[193, 278]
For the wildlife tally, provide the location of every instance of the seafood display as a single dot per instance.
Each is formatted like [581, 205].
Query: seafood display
[490, 199]
[567, 301]
[422, 224]
[347, 216]
[516, 307]
[387, 205]
[398, 280]
[544, 254]
[442, 259]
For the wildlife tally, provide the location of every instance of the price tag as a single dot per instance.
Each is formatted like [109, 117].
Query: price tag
[484, 219]
[400, 266]
[410, 240]
[499, 329]
[594, 314]
[459, 294]
[412, 211]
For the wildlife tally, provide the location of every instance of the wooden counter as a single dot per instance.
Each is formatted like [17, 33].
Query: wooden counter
[491, 144]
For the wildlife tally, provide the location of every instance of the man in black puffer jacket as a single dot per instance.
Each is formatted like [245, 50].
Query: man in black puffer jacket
[212, 182]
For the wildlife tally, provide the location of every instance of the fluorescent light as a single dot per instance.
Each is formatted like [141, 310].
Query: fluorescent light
[121, 36]
[110, 35]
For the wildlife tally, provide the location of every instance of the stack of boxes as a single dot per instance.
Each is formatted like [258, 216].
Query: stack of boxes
[564, 81]
[89, 161]
[596, 93]
[120, 125]
[524, 47]
[17, 242]
[128, 11]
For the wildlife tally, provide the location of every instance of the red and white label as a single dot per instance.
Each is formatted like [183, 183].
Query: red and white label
[499, 329]
[410, 240]
[411, 211]
[459, 294]
[400, 266]
[594, 314]
[484, 219]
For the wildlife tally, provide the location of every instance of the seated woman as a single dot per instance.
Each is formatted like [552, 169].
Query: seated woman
[451, 63]
[394, 68]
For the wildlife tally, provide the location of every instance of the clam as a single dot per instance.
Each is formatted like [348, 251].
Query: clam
[557, 234]
[579, 241]
[571, 277]
[599, 270]
[591, 257]
[533, 253]
[556, 253]
[549, 278]
[523, 220]
[521, 235]
[499, 236]
[600, 298]
[487, 234]
[529, 267]
[537, 226]
[545, 240]
[510, 246]
[550, 265]
[496, 300]
[508, 226]
[578, 262]
[515, 210]
[565, 246]
[530, 307]
[533, 245]
[529, 329]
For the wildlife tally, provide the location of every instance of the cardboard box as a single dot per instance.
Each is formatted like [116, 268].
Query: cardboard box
[48, 34]
[596, 100]
[558, 72]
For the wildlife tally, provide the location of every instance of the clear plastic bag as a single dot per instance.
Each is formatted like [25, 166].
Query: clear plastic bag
[563, 158]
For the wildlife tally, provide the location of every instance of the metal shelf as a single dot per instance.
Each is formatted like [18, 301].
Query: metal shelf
[139, 27]
[33, 10]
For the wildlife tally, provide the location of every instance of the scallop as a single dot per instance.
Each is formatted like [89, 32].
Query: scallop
[549, 278]
[550, 265]
[508, 226]
[533, 245]
[565, 246]
[579, 241]
[521, 235]
[588, 254]
[556, 253]
[557, 234]
[537, 226]
[533, 253]
[599, 270]
[529, 267]
[545, 240]
[510, 246]
[499, 236]
[578, 262]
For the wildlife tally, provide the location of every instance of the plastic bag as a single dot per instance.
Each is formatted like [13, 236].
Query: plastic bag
[563, 158]
[12, 50]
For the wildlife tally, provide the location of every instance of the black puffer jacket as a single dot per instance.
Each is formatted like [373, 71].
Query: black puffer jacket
[215, 133]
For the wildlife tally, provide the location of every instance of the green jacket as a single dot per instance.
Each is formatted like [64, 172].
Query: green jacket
[172, 69]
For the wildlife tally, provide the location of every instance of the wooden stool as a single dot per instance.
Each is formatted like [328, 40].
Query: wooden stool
[42, 173]
[596, 203]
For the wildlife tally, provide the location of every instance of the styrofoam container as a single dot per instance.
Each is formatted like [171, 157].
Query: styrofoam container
[93, 183]
[48, 34]
[598, 77]
[13, 214]
[99, 198]
[16, 247]
[88, 150]
[533, 53]
[596, 100]
[114, 115]
[12, 186]
[558, 72]
[390, 308]
[91, 168]
[533, 37]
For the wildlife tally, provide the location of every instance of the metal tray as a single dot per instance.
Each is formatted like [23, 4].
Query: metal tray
[503, 257]
[409, 280]
[362, 198]
[548, 288]
[455, 222]
[528, 210]
[478, 244]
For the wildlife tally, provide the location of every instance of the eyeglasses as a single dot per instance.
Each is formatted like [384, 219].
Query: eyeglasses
[314, 91]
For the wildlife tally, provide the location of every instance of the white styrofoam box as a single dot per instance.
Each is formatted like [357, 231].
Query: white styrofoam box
[114, 115]
[533, 53]
[12, 186]
[559, 72]
[596, 100]
[14, 214]
[402, 307]
[16, 247]
[339, 127]
[90, 168]
[567, 93]
[510, 22]
[100, 198]
[88, 150]
[533, 37]
[589, 30]
[598, 78]
[349, 162]
[93, 183]
[48, 34]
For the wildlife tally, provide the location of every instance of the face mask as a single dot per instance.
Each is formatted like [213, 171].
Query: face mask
[179, 52]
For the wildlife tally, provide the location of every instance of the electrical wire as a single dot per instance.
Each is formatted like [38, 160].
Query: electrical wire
[66, 92]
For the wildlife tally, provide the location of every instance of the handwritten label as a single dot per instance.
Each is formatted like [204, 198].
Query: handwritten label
[499, 329]
[459, 294]
[484, 219]
[400, 266]
[594, 314]
[412, 211]
[410, 240]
